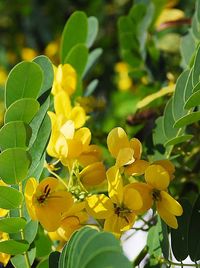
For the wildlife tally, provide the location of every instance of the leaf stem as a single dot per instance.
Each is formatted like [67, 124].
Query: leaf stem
[28, 265]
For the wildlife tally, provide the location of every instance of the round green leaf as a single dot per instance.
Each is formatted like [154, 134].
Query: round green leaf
[15, 134]
[22, 110]
[193, 234]
[179, 237]
[10, 198]
[30, 231]
[77, 57]
[24, 81]
[13, 247]
[75, 32]
[12, 225]
[48, 72]
[19, 261]
[14, 164]
[93, 27]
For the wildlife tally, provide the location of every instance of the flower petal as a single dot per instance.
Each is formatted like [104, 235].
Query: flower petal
[170, 204]
[125, 157]
[93, 174]
[30, 189]
[157, 177]
[167, 217]
[132, 199]
[115, 185]
[78, 116]
[117, 139]
[136, 145]
[84, 136]
[62, 104]
[167, 165]
[99, 206]
[68, 129]
[91, 155]
[136, 168]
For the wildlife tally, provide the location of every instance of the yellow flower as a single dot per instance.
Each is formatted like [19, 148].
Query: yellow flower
[155, 190]
[127, 153]
[3, 76]
[65, 79]
[72, 220]
[52, 50]
[3, 212]
[124, 81]
[47, 202]
[28, 53]
[4, 258]
[93, 174]
[91, 154]
[118, 209]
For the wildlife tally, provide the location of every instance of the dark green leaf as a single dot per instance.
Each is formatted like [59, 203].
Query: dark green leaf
[10, 198]
[75, 32]
[93, 27]
[179, 237]
[14, 164]
[193, 237]
[48, 72]
[12, 225]
[196, 72]
[168, 121]
[13, 247]
[15, 134]
[77, 57]
[54, 259]
[187, 119]
[193, 101]
[91, 87]
[43, 244]
[22, 110]
[24, 81]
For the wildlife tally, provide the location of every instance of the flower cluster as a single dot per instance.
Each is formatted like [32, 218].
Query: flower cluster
[113, 196]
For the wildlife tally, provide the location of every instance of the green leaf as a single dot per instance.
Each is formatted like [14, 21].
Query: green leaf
[153, 242]
[193, 101]
[12, 225]
[39, 146]
[189, 86]
[22, 110]
[193, 237]
[19, 261]
[24, 81]
[89, 248]
[10, 198]
[187, 119]
[15, 134]
[168, 121]
[158, 132]
[75, 32]
[43, 264]
[179, 139]
[92, 59]
[178, 98]
[48, 72]
[179, 237]
[187, 47]
[77, 57]
[93, 27]
[30, 231]
[91, 87]
[43, 244]
[198, 10]
[196, 72]
[14, 164]
[13, 247]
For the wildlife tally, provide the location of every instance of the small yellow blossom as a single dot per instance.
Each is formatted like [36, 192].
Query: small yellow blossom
[4, 258]
[155, 190]
[3, 76]
[28, 53]
[65, 78]
[93, 174]
[51, 50]
[127, 153]
[124, 81]
[47, 202]
[118, 209]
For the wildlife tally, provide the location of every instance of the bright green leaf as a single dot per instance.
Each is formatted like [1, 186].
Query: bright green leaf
[13, 247]
[12, 225]
[14, 164]
[15, 134]
[22, 110]
[19, 261]
[30, 231]
[24, 81]
[77, 57]
[75, 32]
[10, 198]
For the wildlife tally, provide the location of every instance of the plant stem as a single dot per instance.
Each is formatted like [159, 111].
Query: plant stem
[28, 265]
